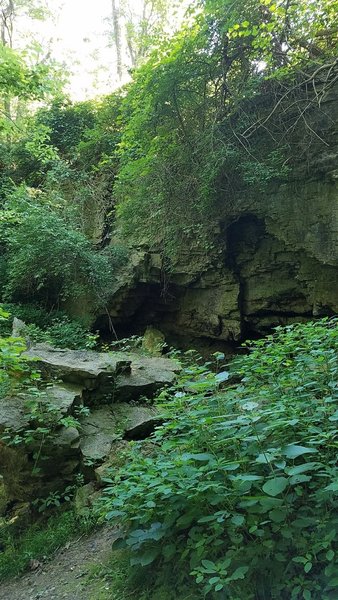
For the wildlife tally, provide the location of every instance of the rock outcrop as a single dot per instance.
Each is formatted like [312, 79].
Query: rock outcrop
[274, 258]
[92, 403]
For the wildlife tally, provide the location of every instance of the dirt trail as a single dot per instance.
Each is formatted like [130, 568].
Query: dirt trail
[65, 576]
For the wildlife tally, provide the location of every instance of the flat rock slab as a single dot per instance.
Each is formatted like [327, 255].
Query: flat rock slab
[82, 367]
[147, 376]
[106, 377]
[64, 397]
[12, 414]
[15, 415]
[107, 424]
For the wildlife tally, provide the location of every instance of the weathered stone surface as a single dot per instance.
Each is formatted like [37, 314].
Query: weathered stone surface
[12, 414]
[19, 516]
[107, 424]
[278, 263]
[18, 328]
[104, 376]
[83, 367]
[85, 498]
[98, 431]
[153, 341]
[273, 257]
[137, 421]
[115, 459]
[64, 397]
[146, 377]
[67, 437]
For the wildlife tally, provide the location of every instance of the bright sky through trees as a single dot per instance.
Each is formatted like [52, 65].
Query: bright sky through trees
[79, 33]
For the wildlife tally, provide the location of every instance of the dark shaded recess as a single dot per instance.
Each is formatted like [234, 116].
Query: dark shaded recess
[143, 431]
[244, 238]
[146, 304]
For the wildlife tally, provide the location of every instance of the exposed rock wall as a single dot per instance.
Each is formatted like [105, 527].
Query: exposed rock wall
[276, 254]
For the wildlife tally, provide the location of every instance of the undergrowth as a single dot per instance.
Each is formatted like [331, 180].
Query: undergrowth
[38, 542]
[240, 495]
[53, 327]
[114, 581]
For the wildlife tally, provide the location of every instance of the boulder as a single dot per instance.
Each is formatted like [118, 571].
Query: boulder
[85, 498]
[15, 413]
[98, 431]
[64, 397]
[106, 425]
[84, 377]
[86, 368]
[138, 422]
[153, 341]
[12, 414]
[18, 328]
[67, 437]
[147, 376]
[106, 377]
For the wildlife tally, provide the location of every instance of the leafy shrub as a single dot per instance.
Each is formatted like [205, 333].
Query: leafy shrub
[63, 333]
[31, 313]
[52, 327]
[242, 490]
[13, 367]
[49, 261]
[39, 541]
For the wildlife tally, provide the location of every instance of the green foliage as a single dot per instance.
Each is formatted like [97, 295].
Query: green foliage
[30, 314]
[39, 541]
[17, 79]
[52, 327]
[67, 123]
[14, 368]
[63, 333]
[122, 584]
[49, 261]
[188, 149]
[241, 490]
[18, 377]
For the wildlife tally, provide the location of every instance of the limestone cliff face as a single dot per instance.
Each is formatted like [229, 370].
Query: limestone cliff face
[276, 259]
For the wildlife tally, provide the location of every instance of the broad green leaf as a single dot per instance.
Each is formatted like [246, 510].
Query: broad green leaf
[330, 555]
[239, 573]
[277, 515]
[295, 479]
[202, 457]
[333, 487]
[293, 451]
[146, 558]
[209, 565]
[275, 486]
[223, 376]
[302, 468]
[237, 520]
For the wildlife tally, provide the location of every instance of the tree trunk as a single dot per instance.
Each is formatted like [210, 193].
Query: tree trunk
[6, 16]
[117, 37]
[6, 34]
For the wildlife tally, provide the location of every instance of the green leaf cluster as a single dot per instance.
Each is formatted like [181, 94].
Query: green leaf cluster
[240, 488]
[49, 260]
